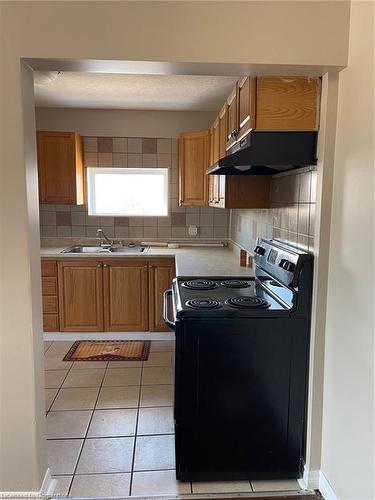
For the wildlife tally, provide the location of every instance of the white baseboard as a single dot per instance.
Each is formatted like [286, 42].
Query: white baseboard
[326, 489]
[73, 336]
[310, 479]
[47, 490]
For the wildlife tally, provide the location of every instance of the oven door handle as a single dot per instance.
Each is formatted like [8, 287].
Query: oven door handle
[167, 321]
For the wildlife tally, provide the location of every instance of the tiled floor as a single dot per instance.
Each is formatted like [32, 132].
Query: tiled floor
[110, 428]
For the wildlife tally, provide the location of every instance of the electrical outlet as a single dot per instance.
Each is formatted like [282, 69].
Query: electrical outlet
[192, 230]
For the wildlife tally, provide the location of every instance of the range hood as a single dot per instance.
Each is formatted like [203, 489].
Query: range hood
[268, 153]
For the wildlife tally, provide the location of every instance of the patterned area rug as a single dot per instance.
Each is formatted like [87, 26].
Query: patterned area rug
[103, 350]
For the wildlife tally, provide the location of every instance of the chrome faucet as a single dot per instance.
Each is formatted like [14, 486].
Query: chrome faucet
[100, 234]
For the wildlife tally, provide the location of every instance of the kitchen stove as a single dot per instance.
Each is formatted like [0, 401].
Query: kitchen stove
[241, 368]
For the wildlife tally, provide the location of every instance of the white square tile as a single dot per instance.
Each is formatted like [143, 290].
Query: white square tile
[118, 397]
[84, 365]
[54, 378]
[106, 455]
[157, 375]
[90, 377]
[50, 396]
[134, 145]
[124, 364]
[154, 453]
[62, 455]
[80, 398]
[63, 484]
[59, 347]
[101, 485]
[155, 421]
[159, 359]
[163, 345]
[120, 144]
[112, 423]
[156, 395]
[276, 485]
[122, 376]
[67, 424]
[55, 362]
[154, 483]
[221, 487]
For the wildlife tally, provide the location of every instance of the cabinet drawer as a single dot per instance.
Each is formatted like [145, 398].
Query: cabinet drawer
[50, 304]
[49, 268]
[49, 286]
[50, 322]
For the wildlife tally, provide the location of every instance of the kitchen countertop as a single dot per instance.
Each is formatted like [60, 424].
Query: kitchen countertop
[190, 261]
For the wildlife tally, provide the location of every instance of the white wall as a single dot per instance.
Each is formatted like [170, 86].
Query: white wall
[348, 410]
[122, 123]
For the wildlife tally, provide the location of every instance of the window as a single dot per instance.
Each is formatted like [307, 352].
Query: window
[127, 191]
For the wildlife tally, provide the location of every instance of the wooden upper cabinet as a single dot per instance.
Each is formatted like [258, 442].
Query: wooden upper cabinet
[161, 274]
[125, 295]
[287, 103]
[215, 138]
[246, 105]
[80, 296]
[232, 117]
[223, 131]
[194, 158]
[60, 168]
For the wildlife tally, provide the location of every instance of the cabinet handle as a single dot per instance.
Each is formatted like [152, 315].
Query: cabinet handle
[232, 135]
[105, 265]
[151, 266]
[146, 267]
[98, 266]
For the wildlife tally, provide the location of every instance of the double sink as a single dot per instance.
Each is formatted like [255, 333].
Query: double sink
[129, 249]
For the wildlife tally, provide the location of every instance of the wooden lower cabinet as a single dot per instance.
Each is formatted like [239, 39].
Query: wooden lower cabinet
[161, 274]
[49, 296]
[107, 295]
[125, 295]
[80, 296]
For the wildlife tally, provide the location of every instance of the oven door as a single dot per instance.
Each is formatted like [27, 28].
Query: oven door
[167, 301]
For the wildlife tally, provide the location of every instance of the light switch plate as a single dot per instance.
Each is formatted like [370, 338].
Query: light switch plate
[192, 230]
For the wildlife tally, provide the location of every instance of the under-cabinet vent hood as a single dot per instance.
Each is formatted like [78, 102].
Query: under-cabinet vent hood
[267, 153]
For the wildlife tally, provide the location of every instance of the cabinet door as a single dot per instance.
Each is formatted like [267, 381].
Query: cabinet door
[80, 296]
[161, 274]
[223, 125]
[125, 295]
[232, 117]
[287, 103]
[246, 105]
[194, 153]
[60, 168]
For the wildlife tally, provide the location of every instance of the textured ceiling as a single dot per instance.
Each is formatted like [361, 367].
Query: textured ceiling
[119, 91]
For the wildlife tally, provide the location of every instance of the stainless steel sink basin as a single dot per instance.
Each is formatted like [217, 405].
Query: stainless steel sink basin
[113, 249]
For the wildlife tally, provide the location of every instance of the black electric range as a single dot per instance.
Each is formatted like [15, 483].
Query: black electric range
[241, 368]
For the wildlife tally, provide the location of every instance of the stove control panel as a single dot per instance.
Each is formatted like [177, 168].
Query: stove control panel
[259, 250]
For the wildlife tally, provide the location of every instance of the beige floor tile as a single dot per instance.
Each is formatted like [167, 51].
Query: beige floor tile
[54, 378]
[62, 455]
[76, 399]
[50, 396]
[154, 453]
[276, 485]
[111, 423]
[156, 395]
[158, 483]
[59, 347]
[159, 359]
[155, 421]
[162, 345]
[106, 455]
[117, 377]
[67, 424]
[91, 377]
[222, 487]
[101, 485]
[55, 362]
[118, 397]
[47, 345]
[157, 375]
[83, 365]
[63, 483]
[125, 364]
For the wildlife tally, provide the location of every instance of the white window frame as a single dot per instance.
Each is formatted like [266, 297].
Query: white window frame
[92, 171]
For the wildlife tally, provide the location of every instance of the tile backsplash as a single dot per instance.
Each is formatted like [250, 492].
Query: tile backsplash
[74, 221]
[291, 219]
